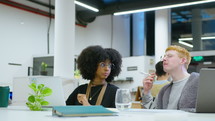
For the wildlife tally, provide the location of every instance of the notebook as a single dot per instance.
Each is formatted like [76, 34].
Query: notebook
[21, 90]
[79, 111]
[205, 102]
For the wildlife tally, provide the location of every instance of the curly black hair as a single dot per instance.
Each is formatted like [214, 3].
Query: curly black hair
[159, 69]
[91, 56]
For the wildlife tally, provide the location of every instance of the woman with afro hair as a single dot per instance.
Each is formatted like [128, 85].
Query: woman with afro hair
[100, 66]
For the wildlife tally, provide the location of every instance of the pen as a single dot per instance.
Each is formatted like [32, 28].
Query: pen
[147, 74]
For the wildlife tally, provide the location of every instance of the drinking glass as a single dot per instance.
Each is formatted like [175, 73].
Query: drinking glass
[123, 99]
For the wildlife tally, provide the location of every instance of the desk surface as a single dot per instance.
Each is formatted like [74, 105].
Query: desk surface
[22, 113]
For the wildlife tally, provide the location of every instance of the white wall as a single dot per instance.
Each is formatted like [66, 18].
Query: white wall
[108, 31]
[143, 64]
[96, 33]
[24, 35]
[121, 34]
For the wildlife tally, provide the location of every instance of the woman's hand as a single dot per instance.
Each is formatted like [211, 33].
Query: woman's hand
[83, 99]
[148, 83]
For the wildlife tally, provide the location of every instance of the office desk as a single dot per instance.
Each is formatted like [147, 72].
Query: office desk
[22, 113]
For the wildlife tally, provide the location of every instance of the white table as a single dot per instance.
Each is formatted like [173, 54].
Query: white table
[22, 113]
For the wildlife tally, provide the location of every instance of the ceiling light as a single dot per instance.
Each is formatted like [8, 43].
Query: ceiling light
[163, 7]
[185, 39]
[189, 39]
[87, 6]
[205, 38]
[186, 44]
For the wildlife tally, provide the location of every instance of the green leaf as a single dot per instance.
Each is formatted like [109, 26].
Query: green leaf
[44, 66]
[39, 99]
[44, 103]
[40, 86]
[33, 86]
[29, 104]
[31, 99]
[46, 91]
[36, 108]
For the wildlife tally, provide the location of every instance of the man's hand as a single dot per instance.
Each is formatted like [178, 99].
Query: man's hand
[148, 83]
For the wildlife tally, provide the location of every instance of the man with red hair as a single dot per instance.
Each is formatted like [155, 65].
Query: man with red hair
[182, 91]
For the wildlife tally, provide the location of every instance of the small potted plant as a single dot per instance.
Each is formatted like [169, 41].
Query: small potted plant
[37, 100]
[77, 74]
[43, 68]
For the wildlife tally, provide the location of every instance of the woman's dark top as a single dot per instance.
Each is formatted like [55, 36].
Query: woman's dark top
[108, 98]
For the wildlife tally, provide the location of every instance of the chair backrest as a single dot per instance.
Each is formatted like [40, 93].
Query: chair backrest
[139, 93]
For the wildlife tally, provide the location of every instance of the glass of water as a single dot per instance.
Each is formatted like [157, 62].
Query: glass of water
[123, 99]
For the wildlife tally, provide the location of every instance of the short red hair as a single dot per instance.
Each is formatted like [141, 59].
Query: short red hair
[183, 53]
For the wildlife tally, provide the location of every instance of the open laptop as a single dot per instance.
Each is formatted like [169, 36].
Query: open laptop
[21, 90]
[205, 102]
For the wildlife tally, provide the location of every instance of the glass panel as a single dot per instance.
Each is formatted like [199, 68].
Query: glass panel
[193, 27]
[138, 34]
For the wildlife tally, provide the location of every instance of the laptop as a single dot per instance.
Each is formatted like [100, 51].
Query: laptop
[21, 90]
[205, 102]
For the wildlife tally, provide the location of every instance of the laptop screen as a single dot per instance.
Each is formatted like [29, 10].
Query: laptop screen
[205, 95]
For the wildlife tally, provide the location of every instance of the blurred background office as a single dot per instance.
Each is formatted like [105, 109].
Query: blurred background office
[29, 35]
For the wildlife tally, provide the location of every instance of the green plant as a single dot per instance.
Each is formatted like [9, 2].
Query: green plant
[36, 100]
[44, 66]
[77, 74]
